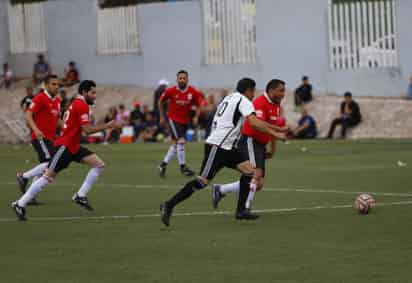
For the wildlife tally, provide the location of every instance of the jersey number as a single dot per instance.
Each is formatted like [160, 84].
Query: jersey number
[222, 108]
[66, 117]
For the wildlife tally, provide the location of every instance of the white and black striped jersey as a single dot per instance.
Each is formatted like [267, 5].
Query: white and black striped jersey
[228, 120]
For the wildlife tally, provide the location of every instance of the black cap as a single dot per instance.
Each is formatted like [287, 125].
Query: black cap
[347, 94]
[305, 78]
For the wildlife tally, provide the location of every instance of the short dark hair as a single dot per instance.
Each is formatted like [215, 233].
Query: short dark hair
[273, 84]
[50, 77]
[182, 72]
[244, 84]
[305, 78]
[347, 94]
[86, 86]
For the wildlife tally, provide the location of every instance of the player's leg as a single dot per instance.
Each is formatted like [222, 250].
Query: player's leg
[245, 185]
[60, 160]
[172, 151]
[219, 191]
[180, 147]
[44, 149]
[211, 164]
[97, 166]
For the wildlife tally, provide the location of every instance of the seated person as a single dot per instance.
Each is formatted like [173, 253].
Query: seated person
[303, 94]
[111, 135]
[350, 116]
[150, 129]
[6, 77]
[41, 70]
[123, 115]
[306, 128]
[137, 119]
[71, 75]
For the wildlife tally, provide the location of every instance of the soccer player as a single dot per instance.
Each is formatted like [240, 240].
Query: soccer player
[68, 149]
[181, 98]
[42, 117]
[254, 142]
[220, 151]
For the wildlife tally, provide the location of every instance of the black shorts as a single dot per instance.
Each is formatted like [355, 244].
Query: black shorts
[177, 130]
[256, 152]
[63, 157]
[216, 158]
[44, 148]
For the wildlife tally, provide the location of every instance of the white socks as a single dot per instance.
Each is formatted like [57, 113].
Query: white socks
[170, 154]
[91, 178]
[32, 192]
[230, 188]
[251, 195]
[36, 171]
[181, 154]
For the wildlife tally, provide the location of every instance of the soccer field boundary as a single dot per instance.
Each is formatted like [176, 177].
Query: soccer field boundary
[200, 213]
[166, 187]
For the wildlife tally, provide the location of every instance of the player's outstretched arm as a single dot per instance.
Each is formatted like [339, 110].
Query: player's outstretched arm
[89, 129]
[264, 127]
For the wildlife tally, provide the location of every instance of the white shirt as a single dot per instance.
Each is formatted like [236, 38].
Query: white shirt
[8, 74]
[228, 120]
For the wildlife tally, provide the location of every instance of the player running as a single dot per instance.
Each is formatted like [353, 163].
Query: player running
[68, 149]
[42, 116]
[181, 98]
[254, 142]
[220, 148]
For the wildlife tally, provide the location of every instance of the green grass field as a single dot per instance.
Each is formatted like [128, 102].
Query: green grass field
[307, 231]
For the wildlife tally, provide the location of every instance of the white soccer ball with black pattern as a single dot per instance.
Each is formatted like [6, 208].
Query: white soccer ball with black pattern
[364, 203]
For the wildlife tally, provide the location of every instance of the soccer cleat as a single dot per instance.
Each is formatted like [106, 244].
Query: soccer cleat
[82, 201]
[20, 211]
[246, 215]
[22, 182]
[216, 196]
[162, 171]
[186, 171]
[165, 213]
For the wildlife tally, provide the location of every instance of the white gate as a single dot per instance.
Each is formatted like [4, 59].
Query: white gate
[362, 33]
[117, 30]
[229, 28]
[27, 28]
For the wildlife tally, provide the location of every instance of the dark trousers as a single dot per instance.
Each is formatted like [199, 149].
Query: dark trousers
[346, 122]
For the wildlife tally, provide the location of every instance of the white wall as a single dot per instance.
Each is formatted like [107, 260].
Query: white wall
[4, 33]
[292, 40]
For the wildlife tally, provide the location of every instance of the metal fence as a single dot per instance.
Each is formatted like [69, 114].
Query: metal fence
[27, 28]
[117, 30]
[362, 33]
[229, 28]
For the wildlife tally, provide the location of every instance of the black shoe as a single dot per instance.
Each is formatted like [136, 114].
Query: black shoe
[162, 171]
[20, 211]
[186, 171]
[216, 196]
[82, 201]
[246, 215]
[165, 213]
[22, 182]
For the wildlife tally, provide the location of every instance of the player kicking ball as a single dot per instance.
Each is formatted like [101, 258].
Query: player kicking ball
[220, 150]
[254, 142]
[68, 149]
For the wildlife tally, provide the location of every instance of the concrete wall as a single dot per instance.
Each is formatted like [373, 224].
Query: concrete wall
[291, 42]
[4, 33]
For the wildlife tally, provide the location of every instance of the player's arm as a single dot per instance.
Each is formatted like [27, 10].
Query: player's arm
[88, 129]
[264, 127]
[30, 120]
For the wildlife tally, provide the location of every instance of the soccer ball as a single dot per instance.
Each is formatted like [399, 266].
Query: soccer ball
[364, 203]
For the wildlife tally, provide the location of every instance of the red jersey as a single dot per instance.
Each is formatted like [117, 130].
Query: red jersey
[77, 115]
[180, 102]
[267, 111]
[46, 112]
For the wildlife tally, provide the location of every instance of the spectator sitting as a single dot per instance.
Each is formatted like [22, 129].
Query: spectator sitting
[409, 91]
[162, 85]
[350, 116]
[6, 77]
[306, 126]
[71, 75]
[137, 120]
[123, 115]
[303, 94]
[150, 129]
[146, 110]
[26, 101]
[41, 70]
[111, 135]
